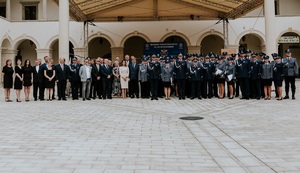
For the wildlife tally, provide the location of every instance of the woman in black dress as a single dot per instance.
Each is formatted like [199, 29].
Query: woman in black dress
[278, 76]
[49, 74]
[28, 78]
[7, 77]
[18, 79]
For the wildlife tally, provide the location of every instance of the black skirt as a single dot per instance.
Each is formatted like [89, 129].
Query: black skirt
[278, 83]
[167, 84]
[267, 82]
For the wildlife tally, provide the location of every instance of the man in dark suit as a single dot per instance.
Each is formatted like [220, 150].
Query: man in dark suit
[134, 77]
[154, 71]
[37, 77]
[74, 78]
[180, 73]
[96, 78]
[106, 75]
[62, 75]
[43, 78]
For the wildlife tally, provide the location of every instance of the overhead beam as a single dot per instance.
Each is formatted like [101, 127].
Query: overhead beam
[199, 7]
[235, 1]
[210, 4]
[155, 9]
[95, 14]
[75, 12]
[244, 8]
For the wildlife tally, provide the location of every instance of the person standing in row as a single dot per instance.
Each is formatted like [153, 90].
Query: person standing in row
[220, 77]
[230, 75]
[291, 70]
[116, 86]
[255, 77]
[143, 78]
[167, 78]
[62, 75]
[85, 73]
[208, 69]
[28, 78]
[267, 75]
[37, 78]
[7, 77]
[96, 79]
[196, 77]
[49, 73]
[75, 78]
[106, 72]
[124, 78]
[18, 79]
[278, 76]
[180, 72]
[134, 77]
[154, 71]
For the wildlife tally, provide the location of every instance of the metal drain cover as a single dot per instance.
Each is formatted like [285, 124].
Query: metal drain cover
[191, 118]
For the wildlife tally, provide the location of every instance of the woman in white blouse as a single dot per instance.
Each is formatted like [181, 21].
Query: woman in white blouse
[124, 78]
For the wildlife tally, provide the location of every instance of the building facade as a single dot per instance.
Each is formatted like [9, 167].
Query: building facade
[30, 30]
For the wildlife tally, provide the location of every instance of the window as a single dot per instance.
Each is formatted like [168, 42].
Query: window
[276, 7]
[30, 12]
[3, 11]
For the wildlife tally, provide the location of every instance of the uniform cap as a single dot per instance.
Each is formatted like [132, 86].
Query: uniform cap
[274, 55]
[288, 51]
[266, 57]
[224, 53]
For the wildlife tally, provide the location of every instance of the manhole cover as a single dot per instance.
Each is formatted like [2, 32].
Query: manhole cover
[191, 118]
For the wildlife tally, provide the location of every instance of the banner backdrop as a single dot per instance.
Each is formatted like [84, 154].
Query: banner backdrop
[163, 48]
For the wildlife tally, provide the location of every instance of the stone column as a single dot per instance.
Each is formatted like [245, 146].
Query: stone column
[64, 30]
[194, 49]
[41, 53]
[79, 53]
[8, 9]
[117, 52]
[271, 45]
[44, 9]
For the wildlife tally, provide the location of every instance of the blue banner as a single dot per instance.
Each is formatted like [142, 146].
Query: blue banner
[163, 48]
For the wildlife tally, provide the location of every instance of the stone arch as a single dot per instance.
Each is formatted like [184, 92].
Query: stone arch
[20, 39]
[287, 31]
[53, 39]
[200, 39]
[186, 39]
[7, 42]
[145, 37]
[108, 38]
[256, 33]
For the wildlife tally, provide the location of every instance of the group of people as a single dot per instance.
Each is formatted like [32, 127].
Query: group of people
[192, 75]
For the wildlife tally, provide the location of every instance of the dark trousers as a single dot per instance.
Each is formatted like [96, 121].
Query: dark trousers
[255, 88]
[215, 88]
[97, 88]
[181, 88]
[42, 90]
[237, 88]
[153, 85]
[106, 86]
[207, 86]
[160, 89]
[134, 88]
[290, 80]
[36, 86]
[244, 83]
[195, 89]
[188, 84]
[75, 85]
[145, 89]
[61, 88]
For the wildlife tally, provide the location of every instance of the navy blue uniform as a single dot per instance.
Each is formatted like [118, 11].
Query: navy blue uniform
[243, 72]
[196, 77]
[255, 77]
[75, 79]
[154, 71]
[180, 73]
[208, 69]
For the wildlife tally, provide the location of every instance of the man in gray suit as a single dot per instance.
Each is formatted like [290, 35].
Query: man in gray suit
[291, 71]
[85, 73]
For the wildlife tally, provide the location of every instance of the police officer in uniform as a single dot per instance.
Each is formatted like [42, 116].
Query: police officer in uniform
[196, 77]
[255, 77]
[180, 73]
[291, 70]
[243, 71]
[208, 69]
[154, 71]
[75, 78]
[143, 78]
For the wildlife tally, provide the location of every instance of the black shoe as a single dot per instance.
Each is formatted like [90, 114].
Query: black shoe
[152, 98]
[286, 97]
[257, 98]
[200, 98]
[42, 99]
[242, 98]
[88, 98]
[183, 98]
[192, 98]
[83, 99]
[104, 98]
[94, 98]
[179, 98]
[35, 99]
[109, 98]
[132, 97]
[59, 98]
[156, 98]
[293, 97]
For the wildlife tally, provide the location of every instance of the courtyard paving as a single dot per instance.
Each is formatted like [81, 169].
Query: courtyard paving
[144, 136]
